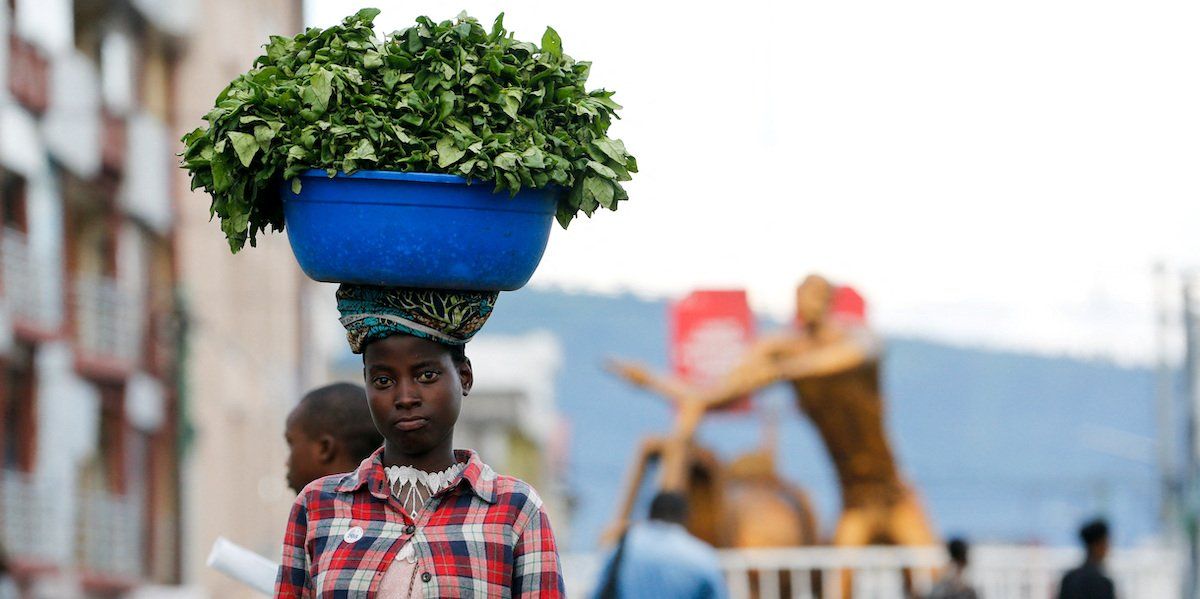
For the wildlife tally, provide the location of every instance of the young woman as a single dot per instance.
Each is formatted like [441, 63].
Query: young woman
[417, 518]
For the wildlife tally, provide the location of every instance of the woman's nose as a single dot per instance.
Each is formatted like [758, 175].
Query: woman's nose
[408, 397]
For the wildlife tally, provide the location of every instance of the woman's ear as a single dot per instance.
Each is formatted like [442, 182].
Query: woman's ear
[466, 375]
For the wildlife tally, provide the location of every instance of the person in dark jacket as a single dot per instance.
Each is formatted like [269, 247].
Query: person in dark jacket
[954, 584]
[1089, 580]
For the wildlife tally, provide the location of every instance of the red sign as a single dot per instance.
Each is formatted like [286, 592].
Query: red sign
[710, 332]
[849, 304]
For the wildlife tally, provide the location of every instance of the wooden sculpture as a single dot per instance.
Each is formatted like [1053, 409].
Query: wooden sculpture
[833, 366]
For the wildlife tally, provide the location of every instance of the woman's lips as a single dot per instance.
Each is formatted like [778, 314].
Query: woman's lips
[410, 424]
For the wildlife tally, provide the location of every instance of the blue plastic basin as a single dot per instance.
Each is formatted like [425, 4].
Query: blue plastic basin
[416, 230]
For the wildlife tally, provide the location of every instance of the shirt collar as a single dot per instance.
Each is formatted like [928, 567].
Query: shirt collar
[477, 476]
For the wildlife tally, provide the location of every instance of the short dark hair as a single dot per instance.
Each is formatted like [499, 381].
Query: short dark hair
[957, 548]
[669, 506]
[1094, 531]
[340, 410]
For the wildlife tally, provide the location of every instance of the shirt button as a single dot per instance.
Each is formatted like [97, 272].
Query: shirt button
[426, 577]
[408, 530]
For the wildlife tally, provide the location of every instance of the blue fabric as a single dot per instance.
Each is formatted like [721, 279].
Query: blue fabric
[662, 560]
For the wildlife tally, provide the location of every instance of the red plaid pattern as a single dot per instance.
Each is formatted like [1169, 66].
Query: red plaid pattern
[484, 536]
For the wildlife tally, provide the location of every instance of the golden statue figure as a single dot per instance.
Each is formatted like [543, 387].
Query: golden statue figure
[740, 503]
[833, 366]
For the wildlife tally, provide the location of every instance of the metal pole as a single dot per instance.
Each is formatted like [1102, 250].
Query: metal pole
[1192, 454]
[1167, 456]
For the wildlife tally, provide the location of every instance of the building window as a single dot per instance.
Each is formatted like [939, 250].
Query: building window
[13, 194]
[19, 408]
[89, 18]
[111, 449]
[91, 227]
[28, 75]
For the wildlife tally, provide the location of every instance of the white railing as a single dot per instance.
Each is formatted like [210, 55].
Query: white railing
[98, 533]
[25, 514]
[998, 572]
[110, 535]
[107, 326]
[29, 283]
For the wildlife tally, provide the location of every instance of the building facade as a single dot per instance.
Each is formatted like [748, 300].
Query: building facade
[144, 373]
[90, 319]
[246, 363]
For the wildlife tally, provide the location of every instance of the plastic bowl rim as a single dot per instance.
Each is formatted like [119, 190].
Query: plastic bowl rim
[396, 176]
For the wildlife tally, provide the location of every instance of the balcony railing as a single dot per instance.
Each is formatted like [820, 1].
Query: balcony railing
[30, 283]
[26, 510]
[110, 537]
[92, 532]
[1017, 572]
[108, 328]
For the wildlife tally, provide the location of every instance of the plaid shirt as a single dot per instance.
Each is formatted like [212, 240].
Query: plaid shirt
[484, 536]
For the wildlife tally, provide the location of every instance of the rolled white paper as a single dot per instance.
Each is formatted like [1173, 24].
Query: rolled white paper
[243, 565]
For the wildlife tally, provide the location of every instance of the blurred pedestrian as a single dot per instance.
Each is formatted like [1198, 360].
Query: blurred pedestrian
[954, 583]
[658, 558]
[329, 432]
[1089, 580]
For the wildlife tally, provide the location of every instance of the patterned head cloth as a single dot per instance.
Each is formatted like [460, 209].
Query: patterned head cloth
[446, 316]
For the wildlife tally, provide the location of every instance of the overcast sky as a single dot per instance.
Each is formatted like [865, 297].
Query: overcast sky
[996, 173]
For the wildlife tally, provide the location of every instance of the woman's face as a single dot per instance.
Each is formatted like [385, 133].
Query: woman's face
[415, 390]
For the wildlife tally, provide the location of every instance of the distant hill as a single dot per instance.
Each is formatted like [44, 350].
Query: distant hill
[1003, 446]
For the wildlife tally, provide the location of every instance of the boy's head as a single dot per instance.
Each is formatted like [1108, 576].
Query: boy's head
[329, 432]
[957, 548]
[669, 506]
[415, 388]
[1094, 535]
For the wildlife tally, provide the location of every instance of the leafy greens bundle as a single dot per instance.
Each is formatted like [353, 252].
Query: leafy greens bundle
[448, 97]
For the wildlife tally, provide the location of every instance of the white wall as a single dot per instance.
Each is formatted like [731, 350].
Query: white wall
[524, 364]
[116, 71]
[48, 24]
[21, 147]
[72, 121]
[172, 16]
[44, 210]
[146, 190]
[67, 430]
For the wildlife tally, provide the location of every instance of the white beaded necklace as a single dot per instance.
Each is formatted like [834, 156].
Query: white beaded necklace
[414, 487]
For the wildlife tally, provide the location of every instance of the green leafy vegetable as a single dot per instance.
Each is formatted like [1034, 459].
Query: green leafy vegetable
[449, 97]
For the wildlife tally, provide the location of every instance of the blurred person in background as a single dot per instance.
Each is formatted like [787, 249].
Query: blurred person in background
[329, 432]
[1089, 581]
[658, 558]
[954, 584]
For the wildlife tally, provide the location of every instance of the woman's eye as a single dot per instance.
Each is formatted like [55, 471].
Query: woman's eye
[428, 376]
[381, 382]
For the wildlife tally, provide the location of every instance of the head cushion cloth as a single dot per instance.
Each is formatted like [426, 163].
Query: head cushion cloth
[446, 316]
